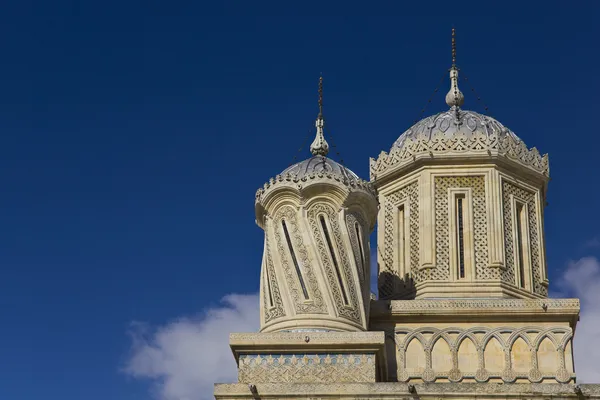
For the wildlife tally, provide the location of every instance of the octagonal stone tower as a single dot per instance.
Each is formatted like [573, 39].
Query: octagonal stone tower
[461, 214]
[317, 216]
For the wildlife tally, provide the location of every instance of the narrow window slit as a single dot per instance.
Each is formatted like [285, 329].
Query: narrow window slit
[360, 247]
[460, 236]
[334, 259]
[296, 265]
[520, 253]
[401, 243]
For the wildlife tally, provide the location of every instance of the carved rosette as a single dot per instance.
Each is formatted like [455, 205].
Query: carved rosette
[482, 375]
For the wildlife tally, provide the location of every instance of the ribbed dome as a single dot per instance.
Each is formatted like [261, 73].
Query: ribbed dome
[320, 165]
[455, 122]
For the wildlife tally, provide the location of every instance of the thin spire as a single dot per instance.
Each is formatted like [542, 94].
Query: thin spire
[321, 97]
[319, 146]
[453, 48]
[454, 98]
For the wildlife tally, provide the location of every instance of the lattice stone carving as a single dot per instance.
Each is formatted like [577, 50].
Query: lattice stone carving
[427, 145]
[316, 303]
[509, 275]
[276, 310]
[442, 234]
[480, 337]
[389, 271]
[351, 310]
[303, 368]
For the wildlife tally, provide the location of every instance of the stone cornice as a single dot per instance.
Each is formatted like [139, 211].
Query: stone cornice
[305, 341]
[551, 309]
[298, 183]
[312, 342]
[478, 145]
[396, 390]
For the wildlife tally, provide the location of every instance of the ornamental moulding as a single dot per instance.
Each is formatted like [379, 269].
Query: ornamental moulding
[293, 181]
[434, 307]
[440, 146]
[400, 390]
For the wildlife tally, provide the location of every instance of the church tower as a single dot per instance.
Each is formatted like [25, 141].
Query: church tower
[463, 309]
[462, 200]
[317, 216]
[461, 251]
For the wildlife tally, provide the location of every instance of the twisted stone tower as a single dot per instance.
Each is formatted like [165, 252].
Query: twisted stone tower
[317, 216]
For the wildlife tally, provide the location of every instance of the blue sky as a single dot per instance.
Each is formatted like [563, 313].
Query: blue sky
[135, 134]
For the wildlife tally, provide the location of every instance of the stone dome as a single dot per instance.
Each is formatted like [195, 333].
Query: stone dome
[452, 123]
[320, 165]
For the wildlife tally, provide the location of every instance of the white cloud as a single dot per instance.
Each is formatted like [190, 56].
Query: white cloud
[186, 357]
[582, 279]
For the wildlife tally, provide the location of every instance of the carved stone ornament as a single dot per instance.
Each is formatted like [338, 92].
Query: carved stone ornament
[317, 168]
[482, 375]
[298, 368]
[493, 345]
[456, 132]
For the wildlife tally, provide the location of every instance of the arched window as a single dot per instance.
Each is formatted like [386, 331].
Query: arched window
[359, 237]
[521, 243]
[294, 259]
[460, 235]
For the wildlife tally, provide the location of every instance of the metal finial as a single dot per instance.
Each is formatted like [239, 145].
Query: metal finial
[453, 48]
[454, 98]
[319, 146]
[321, 96]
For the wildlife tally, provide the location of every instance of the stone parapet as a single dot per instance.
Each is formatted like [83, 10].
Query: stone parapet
[478, 340]
[309, 357]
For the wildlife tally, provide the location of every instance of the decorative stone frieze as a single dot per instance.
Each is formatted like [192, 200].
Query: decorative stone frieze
[295, 357]
[541, 307]
[478, 144]
[307, 367]
[483, 353]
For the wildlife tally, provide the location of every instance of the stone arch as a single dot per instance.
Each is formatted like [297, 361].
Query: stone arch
[566, 338]
[546, 334]
[441, 355]
[411, 335]
[496, 333]
[468, 355]
[520, 354]
[568, 356]
[521, 333]
[547, 355]
[415, 359]
[444, 333]
[470, 334]
[493, 355]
